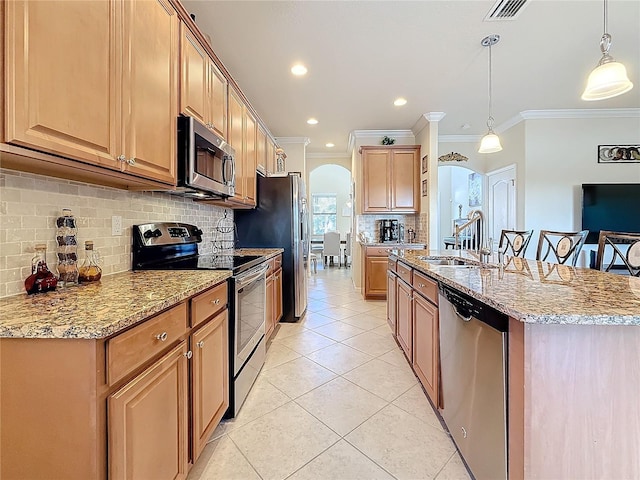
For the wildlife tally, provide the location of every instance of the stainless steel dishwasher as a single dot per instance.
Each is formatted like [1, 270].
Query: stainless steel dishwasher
[473, 366]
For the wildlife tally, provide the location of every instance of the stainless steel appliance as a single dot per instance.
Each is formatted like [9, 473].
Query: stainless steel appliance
[206, 163]
[473, 366]
[388, 230]
[280, 220]
[174, 246]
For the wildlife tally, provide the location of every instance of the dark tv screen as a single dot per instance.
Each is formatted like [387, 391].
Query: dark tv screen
[610, 206]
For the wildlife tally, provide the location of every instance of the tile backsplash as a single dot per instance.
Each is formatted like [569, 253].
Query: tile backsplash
[30, 204]
[367, 224]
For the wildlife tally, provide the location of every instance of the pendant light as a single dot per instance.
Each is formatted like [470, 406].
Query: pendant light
[609, 78]
[490, 142]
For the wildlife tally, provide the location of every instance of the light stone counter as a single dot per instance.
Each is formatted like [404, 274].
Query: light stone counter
[98, 310]
[539, 292]
[267, 253]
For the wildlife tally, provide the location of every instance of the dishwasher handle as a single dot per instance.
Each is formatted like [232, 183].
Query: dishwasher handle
[467, 307]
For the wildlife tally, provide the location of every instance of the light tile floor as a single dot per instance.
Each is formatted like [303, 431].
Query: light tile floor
[335, 400]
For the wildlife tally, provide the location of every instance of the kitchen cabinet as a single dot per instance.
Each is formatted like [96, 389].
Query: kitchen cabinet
[250, 159]
[210, 379]
[374, 273]
[261, 149]
[273, 305]
[130, 405]
[203, 92]
[426, 342]
[271, 155]
[148, 421]
[404, 319]
[390, 179]
[277, 292]
[120, 113]
[392, 282]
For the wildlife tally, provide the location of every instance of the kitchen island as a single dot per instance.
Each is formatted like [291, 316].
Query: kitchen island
[573, 361]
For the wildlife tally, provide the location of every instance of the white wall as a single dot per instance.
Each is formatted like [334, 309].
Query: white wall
[333, 179]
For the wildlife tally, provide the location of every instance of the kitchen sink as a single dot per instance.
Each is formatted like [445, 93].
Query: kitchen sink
[447, 261]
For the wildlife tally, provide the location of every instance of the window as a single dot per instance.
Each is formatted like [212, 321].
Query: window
[323, 212]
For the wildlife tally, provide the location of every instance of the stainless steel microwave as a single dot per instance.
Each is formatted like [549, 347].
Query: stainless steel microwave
[206, 162]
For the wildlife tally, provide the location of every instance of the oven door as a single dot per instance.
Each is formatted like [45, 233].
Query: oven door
[250, 309]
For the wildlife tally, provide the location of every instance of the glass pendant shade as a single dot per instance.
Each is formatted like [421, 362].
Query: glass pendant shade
[490, 143]
[607, 80]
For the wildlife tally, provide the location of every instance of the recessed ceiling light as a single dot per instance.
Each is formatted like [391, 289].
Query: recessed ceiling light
[299, 69]
[398, 102]
[330, 145]
[312, 121]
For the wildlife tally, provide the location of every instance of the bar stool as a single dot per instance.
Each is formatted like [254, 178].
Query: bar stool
[514, 241]
[630, 258]
[562, 246]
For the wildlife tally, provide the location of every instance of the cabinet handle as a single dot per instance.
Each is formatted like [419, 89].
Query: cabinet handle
[189, 354]
[121, 158]
[421, 285]
[216, 301]
[131, 161]
[200, 344]
[162, 336]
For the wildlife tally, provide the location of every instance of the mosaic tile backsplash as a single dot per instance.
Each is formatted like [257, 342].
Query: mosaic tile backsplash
[30, 204]
[367, 224]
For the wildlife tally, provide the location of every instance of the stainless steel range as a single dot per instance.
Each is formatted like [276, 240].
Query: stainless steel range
[174, 246]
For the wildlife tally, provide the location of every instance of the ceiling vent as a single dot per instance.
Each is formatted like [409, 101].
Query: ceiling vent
[506, 10]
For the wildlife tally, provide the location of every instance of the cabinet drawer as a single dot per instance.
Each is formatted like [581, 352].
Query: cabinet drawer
[427, 287]
[133, 348]
[404, 272]
[393, 262]
[377, 251]
[277, 262]
[271, 266]
[208, 303]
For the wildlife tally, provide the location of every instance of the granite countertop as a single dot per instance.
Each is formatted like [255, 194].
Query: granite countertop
[98, 310]
[394, 245]
[539, 292]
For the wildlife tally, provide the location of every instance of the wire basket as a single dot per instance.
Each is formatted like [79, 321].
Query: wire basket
[224, 235]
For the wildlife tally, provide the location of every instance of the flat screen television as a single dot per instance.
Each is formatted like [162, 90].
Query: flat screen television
[610, 206]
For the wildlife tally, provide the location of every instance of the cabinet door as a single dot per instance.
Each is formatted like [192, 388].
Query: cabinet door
[217, 100]
[376, 175]
[277, 293]
[269, 307]
[375, 280]
[405, 180]
[271, 156]
[210, 379]
[425, 345]
[391, 300]
[250, 126]
[150, 88]
[236, 140]
[194, 91]
[61, 79]
[148, 422]
[261, 148]
[404, 320]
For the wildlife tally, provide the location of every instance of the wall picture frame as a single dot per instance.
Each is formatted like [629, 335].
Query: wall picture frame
[425, 163]
[424, 188]
[619, 153]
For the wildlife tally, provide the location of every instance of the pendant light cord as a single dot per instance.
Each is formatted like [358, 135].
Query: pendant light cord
[490, 119]
[606, 20]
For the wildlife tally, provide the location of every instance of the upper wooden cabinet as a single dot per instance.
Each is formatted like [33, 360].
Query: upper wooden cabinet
[95, 82]
[391, 178]
[203, 92]
[271, 155]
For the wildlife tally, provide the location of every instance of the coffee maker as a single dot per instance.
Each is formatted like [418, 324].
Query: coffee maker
[388, 230]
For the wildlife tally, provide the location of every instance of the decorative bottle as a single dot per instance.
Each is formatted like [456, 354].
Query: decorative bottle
[67, 248]
[41, 278]
[90, 270]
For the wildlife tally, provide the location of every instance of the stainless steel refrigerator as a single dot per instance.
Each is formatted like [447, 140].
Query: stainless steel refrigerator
[280, 221]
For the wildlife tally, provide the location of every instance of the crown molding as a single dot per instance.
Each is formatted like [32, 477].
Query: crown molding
[289, 140]
[434, 116]
[356, 134]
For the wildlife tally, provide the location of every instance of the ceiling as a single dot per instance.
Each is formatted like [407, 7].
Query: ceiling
[361, 55]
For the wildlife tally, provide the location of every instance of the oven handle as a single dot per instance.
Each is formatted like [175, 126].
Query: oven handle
[250, 277]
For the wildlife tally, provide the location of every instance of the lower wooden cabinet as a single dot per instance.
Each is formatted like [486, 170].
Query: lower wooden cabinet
[277, 293]
[404, 318]
[274, 295]
[426, 352]
[374, 272]
[209, 379]
[270, 322]
[392, 282]
[148, 422]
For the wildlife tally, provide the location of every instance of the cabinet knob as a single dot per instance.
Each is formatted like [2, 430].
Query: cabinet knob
[421, 285]
[121, 158]
[200, 344]
[189, 354]
[216, 301]
[162, 336]
[131, 161]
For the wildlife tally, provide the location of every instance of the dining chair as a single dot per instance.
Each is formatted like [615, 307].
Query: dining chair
[514, 242]
[562, 246]
[331, 247]
[347, 250]
[630, 258]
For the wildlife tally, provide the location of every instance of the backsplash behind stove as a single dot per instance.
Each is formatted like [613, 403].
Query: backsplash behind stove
[29, 205]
